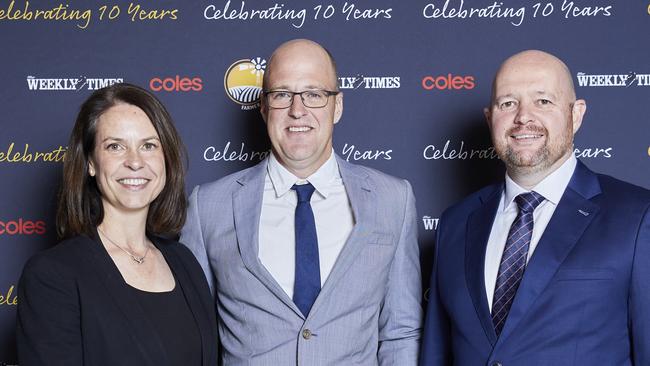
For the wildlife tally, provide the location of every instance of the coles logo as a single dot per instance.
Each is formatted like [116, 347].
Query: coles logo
[176, 84]
[22, 227]
[448, 82]
[243, 82]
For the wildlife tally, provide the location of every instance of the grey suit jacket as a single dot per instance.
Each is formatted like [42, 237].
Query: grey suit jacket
[368, 311]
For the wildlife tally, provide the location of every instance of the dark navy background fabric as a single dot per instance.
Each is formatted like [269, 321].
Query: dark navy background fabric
[415, 77]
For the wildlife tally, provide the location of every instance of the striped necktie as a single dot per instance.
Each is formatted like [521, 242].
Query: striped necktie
[513, 260]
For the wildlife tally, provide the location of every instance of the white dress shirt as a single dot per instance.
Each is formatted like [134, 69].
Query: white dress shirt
[332, 214]
[552, 188]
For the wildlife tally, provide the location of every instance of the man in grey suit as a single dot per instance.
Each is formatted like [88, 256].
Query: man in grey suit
[312, 260]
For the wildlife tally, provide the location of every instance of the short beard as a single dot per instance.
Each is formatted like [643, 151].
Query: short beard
[542, 159]
[531, 164]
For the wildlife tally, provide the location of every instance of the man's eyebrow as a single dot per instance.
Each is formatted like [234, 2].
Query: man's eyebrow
[544, 92]
[500, 97]
[308, 87]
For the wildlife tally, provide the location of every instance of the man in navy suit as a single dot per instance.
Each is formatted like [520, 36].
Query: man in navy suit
[551, 266]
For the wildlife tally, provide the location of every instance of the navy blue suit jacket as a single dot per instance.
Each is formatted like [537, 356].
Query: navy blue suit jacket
[584, 298]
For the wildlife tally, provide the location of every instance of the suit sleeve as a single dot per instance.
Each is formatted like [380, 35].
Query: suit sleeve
[192, 237]
[435, 340]
[400, 320]
[640, 295]
[48, 328]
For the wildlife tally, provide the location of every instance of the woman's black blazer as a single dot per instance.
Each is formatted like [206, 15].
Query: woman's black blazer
[74, 308]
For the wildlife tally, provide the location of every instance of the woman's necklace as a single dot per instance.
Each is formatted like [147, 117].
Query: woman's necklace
[136, 259]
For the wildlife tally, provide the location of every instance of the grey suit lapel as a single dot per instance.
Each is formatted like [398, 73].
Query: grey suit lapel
[247, 208]
[362, 198]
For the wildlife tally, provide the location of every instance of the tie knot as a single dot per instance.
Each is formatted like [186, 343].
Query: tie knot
[304, 191]
[528, 202]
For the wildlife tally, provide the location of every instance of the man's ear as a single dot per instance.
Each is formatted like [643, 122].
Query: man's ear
[577, 113]
[338, 107]
[488, 116]
[264, 110]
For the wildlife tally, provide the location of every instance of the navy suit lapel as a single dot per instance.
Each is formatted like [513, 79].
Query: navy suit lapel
[478, 229]
[145, 337]
[571, 217]
[247, 208]
[362, 201]
[190, 292]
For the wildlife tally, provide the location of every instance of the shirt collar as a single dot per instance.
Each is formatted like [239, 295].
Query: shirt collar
[282, 179]
[552, 187]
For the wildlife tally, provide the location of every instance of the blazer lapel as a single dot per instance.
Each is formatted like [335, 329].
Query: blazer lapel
[145, 337]
[571, 217]
[361, 197]
[247, 208]
[190, 292]
[478, 229]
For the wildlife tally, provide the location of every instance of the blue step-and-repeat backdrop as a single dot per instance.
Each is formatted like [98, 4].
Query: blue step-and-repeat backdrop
[416, 75]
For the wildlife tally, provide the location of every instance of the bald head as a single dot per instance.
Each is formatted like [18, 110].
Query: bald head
[299, 51]
[523, 62]
[300, 133]
[533, 115]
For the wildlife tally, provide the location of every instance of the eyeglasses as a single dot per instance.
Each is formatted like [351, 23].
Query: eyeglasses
[279, 99]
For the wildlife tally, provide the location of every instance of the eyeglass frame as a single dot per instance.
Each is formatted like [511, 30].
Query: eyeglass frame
[329, 93]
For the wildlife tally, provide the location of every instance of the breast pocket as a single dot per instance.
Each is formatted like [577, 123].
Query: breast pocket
[589, 274]
[381, 239]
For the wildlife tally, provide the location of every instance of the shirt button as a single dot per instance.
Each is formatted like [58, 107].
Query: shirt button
[306, 333]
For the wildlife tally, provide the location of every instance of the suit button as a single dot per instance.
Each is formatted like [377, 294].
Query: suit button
[306, 333]
[496, 363]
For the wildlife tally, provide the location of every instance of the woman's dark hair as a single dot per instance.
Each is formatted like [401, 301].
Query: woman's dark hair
[80, 208]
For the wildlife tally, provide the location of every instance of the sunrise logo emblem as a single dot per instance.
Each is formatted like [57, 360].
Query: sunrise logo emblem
[243, 82]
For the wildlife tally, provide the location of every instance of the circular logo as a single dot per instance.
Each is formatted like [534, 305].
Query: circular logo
[243, 81]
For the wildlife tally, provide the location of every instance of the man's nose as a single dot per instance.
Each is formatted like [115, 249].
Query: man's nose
[297, 108]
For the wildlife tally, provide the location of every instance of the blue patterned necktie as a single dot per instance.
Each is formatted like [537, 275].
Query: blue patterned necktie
[513, 261]
[307, 276]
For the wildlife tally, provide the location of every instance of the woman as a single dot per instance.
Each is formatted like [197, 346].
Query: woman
[115, 292]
